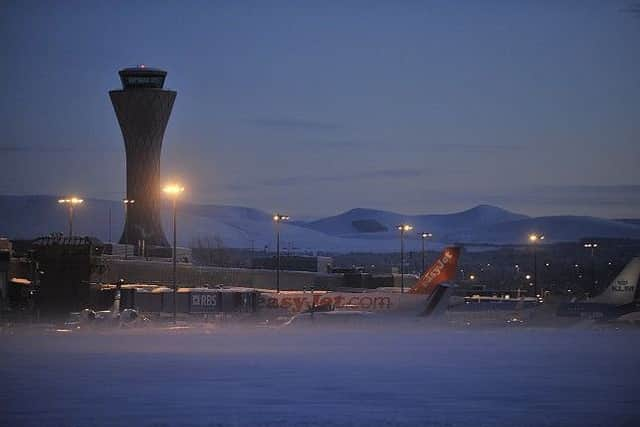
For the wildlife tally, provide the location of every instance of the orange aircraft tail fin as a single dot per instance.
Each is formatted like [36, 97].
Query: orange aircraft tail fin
[442, 270]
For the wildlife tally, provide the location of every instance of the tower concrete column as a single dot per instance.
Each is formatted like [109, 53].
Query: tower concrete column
[143, 108]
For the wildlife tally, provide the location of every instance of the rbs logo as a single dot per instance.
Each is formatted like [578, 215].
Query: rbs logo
[205, 300]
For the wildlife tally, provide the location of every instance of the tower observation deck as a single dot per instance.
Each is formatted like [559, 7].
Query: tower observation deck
[143, 108]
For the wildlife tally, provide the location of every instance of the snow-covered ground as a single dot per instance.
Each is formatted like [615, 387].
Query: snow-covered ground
[250, 377]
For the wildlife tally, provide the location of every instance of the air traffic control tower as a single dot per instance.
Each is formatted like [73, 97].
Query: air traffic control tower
[143, 108]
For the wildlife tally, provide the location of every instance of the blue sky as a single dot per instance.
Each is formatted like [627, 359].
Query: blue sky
[317, 107]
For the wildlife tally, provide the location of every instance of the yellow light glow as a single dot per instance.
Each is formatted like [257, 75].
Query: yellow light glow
[280, 217]
[535, 237]
[405, 227]
[173, 189]
[71, 200]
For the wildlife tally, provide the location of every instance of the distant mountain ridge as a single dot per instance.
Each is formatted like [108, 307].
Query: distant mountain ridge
[360, 229]
[479, 216]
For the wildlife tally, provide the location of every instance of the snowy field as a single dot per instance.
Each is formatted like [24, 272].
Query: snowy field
[236, 377]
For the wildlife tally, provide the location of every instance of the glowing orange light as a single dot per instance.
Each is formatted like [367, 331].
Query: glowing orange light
[173, 189]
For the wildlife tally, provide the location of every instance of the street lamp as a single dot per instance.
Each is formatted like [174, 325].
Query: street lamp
[173, 191]
[71, 202]
[535, 238]
[278, 218]
[403, 228]
[126, 203]
[592, 246]
[424, 236]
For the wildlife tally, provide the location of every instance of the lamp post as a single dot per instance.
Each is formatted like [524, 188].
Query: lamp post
[173, 191]
[278, 218]
[424, 236]
[534, 239]
[592, 246]
[403, 228]
[126, 203]
[109, 224]
[71, 202]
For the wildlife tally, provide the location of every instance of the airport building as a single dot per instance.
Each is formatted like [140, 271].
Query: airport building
[59, 275]
[317, 264]
[64, 266]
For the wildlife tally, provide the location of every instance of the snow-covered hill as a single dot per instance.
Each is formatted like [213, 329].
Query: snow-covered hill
[356, 230]
[346, 224]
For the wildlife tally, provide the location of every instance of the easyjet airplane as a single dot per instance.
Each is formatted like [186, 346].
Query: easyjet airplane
[422, 298]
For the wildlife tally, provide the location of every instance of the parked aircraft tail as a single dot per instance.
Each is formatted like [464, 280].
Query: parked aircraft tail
[442, 270]
[622, 289]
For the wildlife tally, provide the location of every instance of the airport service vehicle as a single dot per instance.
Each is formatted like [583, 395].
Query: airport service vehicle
[88, 317]
[113, 317]
[421, 299]
[618, 299]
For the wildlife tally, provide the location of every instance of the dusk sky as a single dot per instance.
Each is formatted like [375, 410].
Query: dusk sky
[416, 107]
